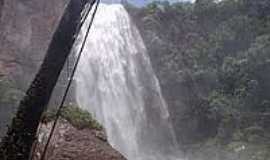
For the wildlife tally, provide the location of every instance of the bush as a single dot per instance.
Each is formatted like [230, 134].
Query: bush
[77, 117]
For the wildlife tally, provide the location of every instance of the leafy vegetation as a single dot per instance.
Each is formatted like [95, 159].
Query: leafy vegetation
[75, 116]
[213, 62]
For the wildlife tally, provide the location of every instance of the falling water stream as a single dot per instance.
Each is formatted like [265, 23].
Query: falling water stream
[116, 83]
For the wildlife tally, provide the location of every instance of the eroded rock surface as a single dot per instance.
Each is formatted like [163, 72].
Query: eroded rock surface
[26, 29]
[69, 143]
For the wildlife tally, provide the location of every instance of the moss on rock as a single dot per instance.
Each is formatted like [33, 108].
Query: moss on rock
[76, 116]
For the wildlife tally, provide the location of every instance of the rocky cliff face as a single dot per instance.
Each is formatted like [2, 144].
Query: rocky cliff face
[26, 29]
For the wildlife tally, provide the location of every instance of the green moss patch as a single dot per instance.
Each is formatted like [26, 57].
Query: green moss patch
[76, 116]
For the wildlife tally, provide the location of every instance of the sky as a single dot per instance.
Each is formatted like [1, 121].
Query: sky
[143, 2]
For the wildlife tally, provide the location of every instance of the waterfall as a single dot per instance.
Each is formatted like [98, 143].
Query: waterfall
[116, 83]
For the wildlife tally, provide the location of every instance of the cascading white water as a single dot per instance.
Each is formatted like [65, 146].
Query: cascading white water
[116, 83]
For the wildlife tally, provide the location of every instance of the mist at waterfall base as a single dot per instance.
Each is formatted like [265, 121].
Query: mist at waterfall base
[116, 83]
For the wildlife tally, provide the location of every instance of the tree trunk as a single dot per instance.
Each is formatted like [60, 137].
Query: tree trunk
[21, 135]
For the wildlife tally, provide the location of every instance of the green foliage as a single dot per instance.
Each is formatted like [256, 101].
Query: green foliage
[80, 118]
[76, 116]
[229, 39]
